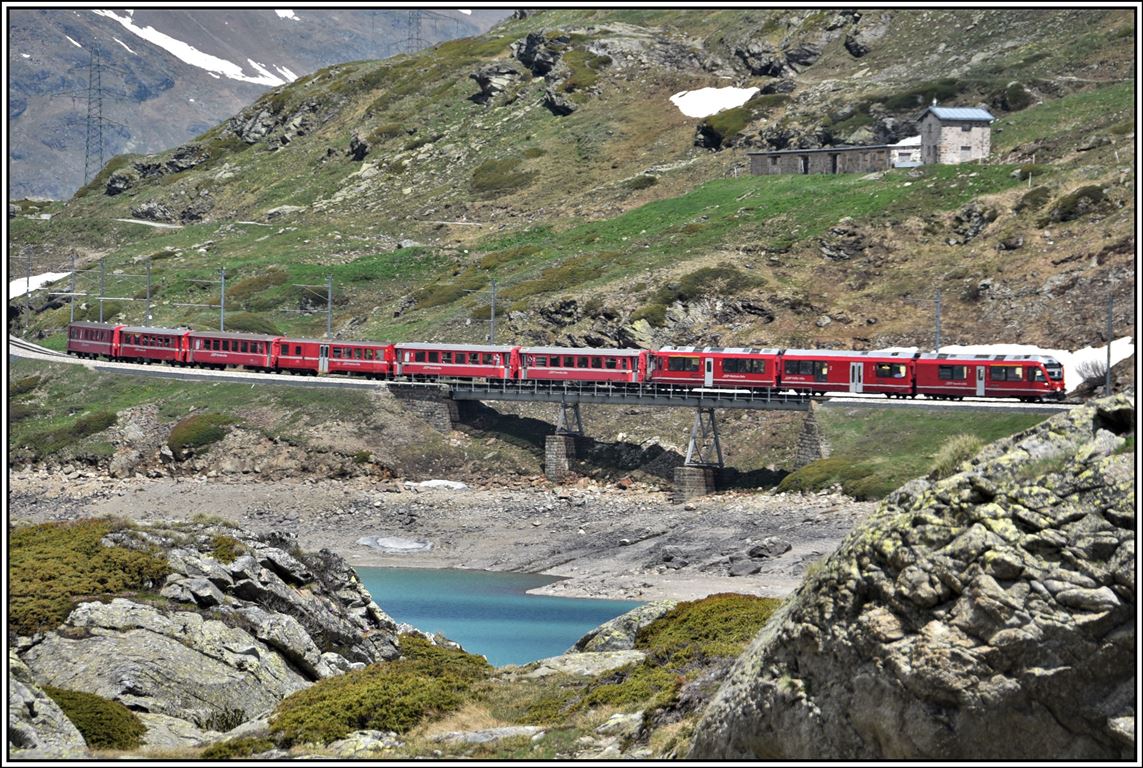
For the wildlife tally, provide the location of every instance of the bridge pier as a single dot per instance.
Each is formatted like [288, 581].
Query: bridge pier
[559, 452]
[432, 404]
[698, 475]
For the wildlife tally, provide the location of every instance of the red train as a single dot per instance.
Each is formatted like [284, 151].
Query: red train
[814, 371]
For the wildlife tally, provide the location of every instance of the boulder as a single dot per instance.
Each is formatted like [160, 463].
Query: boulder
[37, 727]
[761, 59]
[619, 633]
[558, 104]
[493, 80]
[538, 52]
[585, 664]
[987, 615]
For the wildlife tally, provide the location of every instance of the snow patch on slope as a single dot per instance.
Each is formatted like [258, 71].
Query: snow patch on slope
[73, 42]
[116, 39]
[708, 101]
[286, 13]
[23, 285]
[188, 54]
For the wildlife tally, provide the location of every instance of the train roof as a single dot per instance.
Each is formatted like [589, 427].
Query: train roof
[725, 350]
[295, 339]
[152, 329]
[89, 324]
[827, 353]
[229, 335]
[1008, 358]
[581, 351]
[444, 347]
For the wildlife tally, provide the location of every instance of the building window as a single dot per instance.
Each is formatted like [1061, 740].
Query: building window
[966, 128]
[773, 161]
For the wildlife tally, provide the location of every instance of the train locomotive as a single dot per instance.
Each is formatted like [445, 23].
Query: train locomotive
[810, 371]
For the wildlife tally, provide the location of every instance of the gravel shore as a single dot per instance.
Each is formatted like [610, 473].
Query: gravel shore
[606, 542]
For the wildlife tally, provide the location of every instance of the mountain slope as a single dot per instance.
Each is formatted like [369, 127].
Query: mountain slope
[547, 155]
[167, 75]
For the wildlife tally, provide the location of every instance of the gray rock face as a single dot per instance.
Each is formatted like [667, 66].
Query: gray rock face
[619, 633]
[986, 615]
[493, 80]
[268, 623]
[37, 727]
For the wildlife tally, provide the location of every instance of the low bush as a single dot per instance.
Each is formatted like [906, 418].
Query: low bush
[1034, 170]
[722, 280]
[1077, 204]
[245, 293]
[197, 431]
[507, 256]
[51, 564]
[235, 748]
[1033, 200]
[23, 385]
[249, 322]
[499, 176]
[426, 682]
[641, 181]
[955, 451]
[103, 724]
[54, 440]
[226, 549]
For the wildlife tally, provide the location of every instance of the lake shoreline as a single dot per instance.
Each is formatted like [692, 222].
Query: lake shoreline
[601, 541]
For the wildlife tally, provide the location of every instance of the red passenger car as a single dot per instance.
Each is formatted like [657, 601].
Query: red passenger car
[1027, 377]
[582, 364]
[714, 367]
[470, 361]
[320, 356]
[216, 349]
[827, 370]
[165, 345]
[93, 340]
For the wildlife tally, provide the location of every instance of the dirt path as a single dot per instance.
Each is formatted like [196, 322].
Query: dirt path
[607, 542]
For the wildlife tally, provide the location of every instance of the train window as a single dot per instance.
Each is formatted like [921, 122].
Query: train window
[298, 350]
[610, 363]
[243, 346]
[357, 353]
[952, 372]
[486, 358]
[1006, 373]
[791, 367]
[890, 370]
[743, 365]
[581, 362]
[419, 357]
[682, 363]
[596, 362]
[446, 357]
[474, 358]
[1035, 374]
[434, 357]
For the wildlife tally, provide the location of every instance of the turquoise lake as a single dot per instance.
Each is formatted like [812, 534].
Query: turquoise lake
[489, 612]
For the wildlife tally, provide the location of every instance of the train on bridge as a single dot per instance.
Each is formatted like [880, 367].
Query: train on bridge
[807, 371]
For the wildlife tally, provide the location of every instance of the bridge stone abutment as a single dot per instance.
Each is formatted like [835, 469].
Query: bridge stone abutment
[812, 444]
[430, 403]
[691, 482]
[560, 450]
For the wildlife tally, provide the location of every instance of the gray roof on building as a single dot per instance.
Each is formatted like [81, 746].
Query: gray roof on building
[959, 113]
[846, 148]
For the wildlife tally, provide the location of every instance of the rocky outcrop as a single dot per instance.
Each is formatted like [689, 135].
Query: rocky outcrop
[37, 727]
[493, 80]
[540, 53]
[558, 104]
[248, 620]
[986, 615]
[619, 633]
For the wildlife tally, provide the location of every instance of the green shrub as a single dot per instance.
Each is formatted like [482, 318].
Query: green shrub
[51, 564]
[723, 280]
[730, 122]
[21, 411]
[226, 549]
[103, 724]
[654, 314]
[54, 440]
[507, 256]
[715, 627]
[641, 181]
[249, 322]
[533, 152]
[384, 132]
[1016, 97]
[919, 95]
[426, 682]
[1033, 200]
[23, 385]
[197, 431]
[953, 453]
[1079, 203]
[499, 176]
[234, 748]
[584, 70]
[1035, 170]
[244, 293]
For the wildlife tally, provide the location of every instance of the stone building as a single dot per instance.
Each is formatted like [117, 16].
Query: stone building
[906, 153]
[951, 135]
[860, 159]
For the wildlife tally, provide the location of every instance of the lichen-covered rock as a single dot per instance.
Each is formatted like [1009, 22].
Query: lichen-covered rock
[619, 633]
[988, 615]
[37, 727]
[250, 620]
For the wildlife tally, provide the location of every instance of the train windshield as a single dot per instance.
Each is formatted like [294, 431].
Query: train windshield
[1055, 370]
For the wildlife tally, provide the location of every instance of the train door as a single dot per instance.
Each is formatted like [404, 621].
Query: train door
[980, 380]
[323, 358]
[856, 376]
[708, 372]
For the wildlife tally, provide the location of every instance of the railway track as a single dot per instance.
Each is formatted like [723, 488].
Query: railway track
[30, 350]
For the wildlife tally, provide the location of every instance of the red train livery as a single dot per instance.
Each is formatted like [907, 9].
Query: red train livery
[812, 371]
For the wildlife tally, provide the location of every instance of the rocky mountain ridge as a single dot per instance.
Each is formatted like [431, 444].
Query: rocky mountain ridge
[167, 75]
